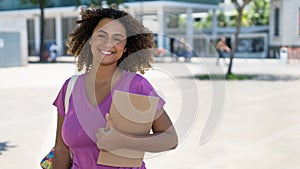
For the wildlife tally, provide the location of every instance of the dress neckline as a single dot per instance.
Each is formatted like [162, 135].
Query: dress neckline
[106, 98]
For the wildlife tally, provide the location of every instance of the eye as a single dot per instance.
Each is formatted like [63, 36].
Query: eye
[117, 40]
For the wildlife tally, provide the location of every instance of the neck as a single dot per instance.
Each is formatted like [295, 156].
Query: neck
[102, 73]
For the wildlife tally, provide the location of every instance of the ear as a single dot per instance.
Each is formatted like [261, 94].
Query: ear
[89, 41]
[125, 49]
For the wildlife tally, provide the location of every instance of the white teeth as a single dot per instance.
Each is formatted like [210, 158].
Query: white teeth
[106, 52]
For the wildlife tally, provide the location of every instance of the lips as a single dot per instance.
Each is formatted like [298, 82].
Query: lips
[106, 52]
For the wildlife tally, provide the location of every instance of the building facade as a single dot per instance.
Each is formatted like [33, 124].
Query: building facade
[162, 17]
[285, 28]
[60, 17]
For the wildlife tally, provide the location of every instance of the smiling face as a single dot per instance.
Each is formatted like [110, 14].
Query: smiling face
[108, 42]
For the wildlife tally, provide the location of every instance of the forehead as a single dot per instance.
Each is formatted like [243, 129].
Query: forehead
[110, 26]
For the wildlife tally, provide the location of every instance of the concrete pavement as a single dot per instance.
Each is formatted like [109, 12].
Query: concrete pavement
[259, 127]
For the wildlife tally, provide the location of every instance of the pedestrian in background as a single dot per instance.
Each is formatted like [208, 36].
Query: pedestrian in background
[182, 50]
[222, 48]
[53, 52]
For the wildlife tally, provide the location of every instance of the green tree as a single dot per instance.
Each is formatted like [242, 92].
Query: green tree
[244, 21]
[207, 22]
[98, 3]
[240, 6]
[114, 3]
[182, 21]
[222, 21]
[259, 12]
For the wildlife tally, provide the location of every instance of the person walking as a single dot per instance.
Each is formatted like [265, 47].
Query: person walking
[222, 48]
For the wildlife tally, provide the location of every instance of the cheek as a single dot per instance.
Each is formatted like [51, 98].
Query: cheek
[121, 46]
[94, 42]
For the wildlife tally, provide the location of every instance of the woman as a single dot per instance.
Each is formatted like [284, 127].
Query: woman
[111, 46]
[222, 48]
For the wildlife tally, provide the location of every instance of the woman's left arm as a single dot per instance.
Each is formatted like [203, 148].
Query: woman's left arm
[163, 138]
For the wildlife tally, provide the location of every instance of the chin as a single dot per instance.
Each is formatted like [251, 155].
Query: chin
[106, 60]
[108, 63]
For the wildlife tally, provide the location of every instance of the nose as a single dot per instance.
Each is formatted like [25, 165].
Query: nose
[109, 43]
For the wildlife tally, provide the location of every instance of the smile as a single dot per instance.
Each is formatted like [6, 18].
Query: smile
[106, 52]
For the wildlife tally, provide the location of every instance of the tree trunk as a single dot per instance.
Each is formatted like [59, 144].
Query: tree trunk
[235, 42]
[42, 21]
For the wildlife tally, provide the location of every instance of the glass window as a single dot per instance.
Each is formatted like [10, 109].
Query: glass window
[49, 32]
[276, 22]
[68, 26]
[299, 22]
[30, 36]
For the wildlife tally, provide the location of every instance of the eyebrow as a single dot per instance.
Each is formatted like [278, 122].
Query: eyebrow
[116, 34]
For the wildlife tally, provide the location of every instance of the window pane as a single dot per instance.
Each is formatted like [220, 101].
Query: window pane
[276, 22]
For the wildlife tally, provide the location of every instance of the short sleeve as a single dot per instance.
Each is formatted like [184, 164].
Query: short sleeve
[59, 102]
[145, 88]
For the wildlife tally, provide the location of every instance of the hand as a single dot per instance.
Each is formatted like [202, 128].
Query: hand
[108, 123]
[108, 138]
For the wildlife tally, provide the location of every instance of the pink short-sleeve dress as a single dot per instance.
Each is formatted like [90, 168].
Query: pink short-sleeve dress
[83, 120]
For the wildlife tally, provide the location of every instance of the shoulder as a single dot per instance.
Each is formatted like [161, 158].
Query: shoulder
[65, 85]
[134, 78]
[139, 77]
[134, 82]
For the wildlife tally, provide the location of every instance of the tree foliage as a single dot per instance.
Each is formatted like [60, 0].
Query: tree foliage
[256, 15]
[239, 6]
[98, 3]
[207, 21]
[259, 12]
[222, 19]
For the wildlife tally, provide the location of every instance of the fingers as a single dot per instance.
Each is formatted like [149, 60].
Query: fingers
[107, 128]
[107, 117]
[108, 123]
[104, 134]
[101, 132]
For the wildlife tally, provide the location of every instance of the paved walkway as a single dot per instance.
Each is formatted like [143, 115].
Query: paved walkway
[259, 128]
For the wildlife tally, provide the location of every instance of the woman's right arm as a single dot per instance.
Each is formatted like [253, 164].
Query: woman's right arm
[62, 156]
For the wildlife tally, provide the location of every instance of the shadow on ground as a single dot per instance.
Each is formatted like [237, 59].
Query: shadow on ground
[254, 77]
[4, 146]
[60, 59]
[266, 77]
[48, 62]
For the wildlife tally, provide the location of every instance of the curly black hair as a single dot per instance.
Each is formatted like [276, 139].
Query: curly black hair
[139, 47]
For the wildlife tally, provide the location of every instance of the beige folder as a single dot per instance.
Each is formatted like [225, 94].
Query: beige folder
[133, 114]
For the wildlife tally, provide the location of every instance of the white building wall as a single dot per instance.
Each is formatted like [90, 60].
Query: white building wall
[275, 40]
[10, 25]
[295, 5]
[289, 33]
[285, 18]
[289, 23]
